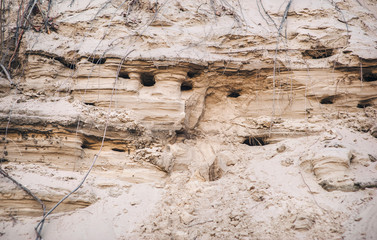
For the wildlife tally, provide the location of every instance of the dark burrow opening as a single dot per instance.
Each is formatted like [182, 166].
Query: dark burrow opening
[182, 134]
[35, 10]
[364, 104]
[89, 103]
[328, 100]
[318, 53]
[15, 64]
[97, 60]
[192, 74]
[118, 150]
[124, 75]
[147, 79]
[234, 94]
[186, 86]
[71, 66]
[256, 141]
[369, 77]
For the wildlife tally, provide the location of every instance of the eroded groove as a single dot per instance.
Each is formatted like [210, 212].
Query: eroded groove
[318, 53]
[364, 185]
[97, 60]
[85, 144]
[91, 142]
[62, 60]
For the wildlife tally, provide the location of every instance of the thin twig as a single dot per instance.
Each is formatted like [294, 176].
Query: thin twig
[5, 174]
[311, 192]
[340, 11]
[275, 57]
[199, 223]
[1, 25]
[16, 48]
[361, 75]
[7, 74]
[268, 15]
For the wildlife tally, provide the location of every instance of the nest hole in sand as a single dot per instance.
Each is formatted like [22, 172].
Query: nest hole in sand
[256, 140]
[234, 94]
[118, 150]
[369, 77]
[147, 79]
[186, 86]
[124, 75]
[327, 100]
[318, 53]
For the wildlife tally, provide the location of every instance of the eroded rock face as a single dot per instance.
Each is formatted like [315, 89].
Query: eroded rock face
[330, 166]
[205, 116]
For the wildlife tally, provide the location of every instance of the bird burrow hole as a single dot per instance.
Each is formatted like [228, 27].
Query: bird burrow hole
[124, 75]
[89, 103]
[364, 104]
[118, 150]
[192, 74]
[328, 100]
[256, 141]
[318, 53]
[369, 76]
[147, 79]
[234, 94]
[186, 86]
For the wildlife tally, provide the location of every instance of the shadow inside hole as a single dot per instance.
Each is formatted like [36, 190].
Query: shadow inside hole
[186, 86]
[369, 77]
[118, 150]
[124, 75]
[318, 53]
[192, 74]
[362, 104]
[255, 141]
[89, 103]
[328, 100]
[234, 94]
[147, 79]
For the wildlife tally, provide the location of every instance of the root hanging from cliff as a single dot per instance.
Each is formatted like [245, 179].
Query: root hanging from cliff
[342, 14]
[5, 174]
[283, 20]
